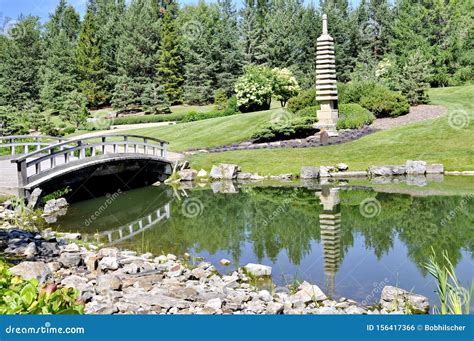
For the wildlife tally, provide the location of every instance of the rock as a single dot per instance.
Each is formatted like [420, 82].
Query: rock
[29, 270]
[108, 263]
[308, 293]
[171, 257]
[325, 171]
[155, 298]
[54, 205]
[92, 262]
[265, 296]
[436, 168]
[244, 176]
[394, 299]
[327, 311]
[54, 266]
[161, 259]
[215, 303]
[34, 197]
[415, 167]
[187, 174]
[74, 281]
[70, 259]
[216, 173]
[108, 282]
[275, 308]
[108, 252]
[72, 247]
[324, 137]
[257, 177]
[386, 170]
[225, 262]
[342, 167]
[30, 251]
[308, 172]
[176, 270]
[349, 174]
[355, 310]
[71, 236]
[202, 174]
[285, 176]
[258, 270]
[417, 180]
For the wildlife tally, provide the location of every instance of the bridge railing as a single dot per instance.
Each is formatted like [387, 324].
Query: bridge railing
[33, 165]
[24, 144]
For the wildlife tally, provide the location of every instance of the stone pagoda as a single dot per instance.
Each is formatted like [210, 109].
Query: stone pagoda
[326, 85]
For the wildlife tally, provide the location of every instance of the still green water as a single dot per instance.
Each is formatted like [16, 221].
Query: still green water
[351, 239]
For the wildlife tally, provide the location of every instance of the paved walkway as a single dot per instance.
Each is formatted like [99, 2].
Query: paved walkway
[416, 114]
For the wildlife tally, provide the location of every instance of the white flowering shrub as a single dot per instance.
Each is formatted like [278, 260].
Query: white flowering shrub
[254, 89]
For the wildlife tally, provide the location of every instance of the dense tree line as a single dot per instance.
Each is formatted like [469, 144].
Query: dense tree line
[149, 54]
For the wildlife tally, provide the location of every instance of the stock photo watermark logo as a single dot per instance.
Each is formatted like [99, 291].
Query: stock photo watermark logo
[103, 121]
[110, 199]
[46, 329]
[460, 208]
[279, 210]
[459, 119]
[370, 208]
[375, 292]
[192, 208]
[281, 116]
[192, 30]
[11, 28]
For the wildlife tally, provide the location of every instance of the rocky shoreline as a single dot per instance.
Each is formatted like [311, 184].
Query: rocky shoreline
[113, 281]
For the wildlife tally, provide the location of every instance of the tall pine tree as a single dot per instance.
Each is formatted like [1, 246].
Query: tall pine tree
[89, 63]
[170, 66]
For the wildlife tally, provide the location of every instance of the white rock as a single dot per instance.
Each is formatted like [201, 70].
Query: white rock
[325, 171]
[187, 174]
[170, 256]
[436, 168]
[214, 303]
[308, 172]
[108, 263]
[415, 167]
[258, 270]
[342, 167]
[265, 296]
[224, 262]
[202, 174]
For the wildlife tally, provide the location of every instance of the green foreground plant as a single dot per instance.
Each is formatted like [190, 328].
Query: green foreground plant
[18, 296]
[453, 297]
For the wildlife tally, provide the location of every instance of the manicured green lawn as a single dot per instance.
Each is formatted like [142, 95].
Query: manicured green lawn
[433, 141]
[210, 132]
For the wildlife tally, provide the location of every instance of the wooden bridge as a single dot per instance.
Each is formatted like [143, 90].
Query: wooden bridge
[54, 163]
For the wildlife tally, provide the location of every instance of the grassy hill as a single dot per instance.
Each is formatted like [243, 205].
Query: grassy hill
[434, 141]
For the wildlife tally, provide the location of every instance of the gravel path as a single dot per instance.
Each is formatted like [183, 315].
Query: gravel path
[416, 114]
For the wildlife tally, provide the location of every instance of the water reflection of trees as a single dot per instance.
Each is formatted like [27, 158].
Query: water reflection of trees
[229, 220]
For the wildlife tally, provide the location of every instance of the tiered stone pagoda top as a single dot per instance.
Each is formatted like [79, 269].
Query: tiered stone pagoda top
[326, 87]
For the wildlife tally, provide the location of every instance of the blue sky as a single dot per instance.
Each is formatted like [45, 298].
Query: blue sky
[11, 9]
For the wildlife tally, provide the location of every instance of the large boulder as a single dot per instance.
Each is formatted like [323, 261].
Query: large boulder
[435, 168]
[308, 293]
[258, 270]
[309, 172]
[187, 174]
[399, 300]
[415, 167]
[29, 270]
[386, 170]
[224, 172]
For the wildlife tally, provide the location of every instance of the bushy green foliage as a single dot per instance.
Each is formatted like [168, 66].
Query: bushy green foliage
[306, 98]
[134, 119]
[353, 91]
[353, 116]
[220, 99]
[74, 109]
[285, 85]
[385, 103]
[18, 296]
[308, 111]
[286, 129]
[231, 109]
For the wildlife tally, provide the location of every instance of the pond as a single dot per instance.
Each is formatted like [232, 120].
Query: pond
[351, 237]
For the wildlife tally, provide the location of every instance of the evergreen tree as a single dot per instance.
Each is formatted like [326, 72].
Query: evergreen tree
[89, 62]
[170, 66]
[58, 74]
[137, 57]
[227, 48]
[252, 32]
[20, 64]
[74, 109]
[411, 78]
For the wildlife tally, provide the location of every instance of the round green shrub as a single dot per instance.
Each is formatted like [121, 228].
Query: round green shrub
[69, 130]
[353, 116]
[308, 111]
[299, 127]
[353, 91]
[306, 98]
[385, 103]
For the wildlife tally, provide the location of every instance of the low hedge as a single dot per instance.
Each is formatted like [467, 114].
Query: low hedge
[306, 98]
[148, 118]
[308, 111]
[385, 103]
[353, 116]
[299, 127]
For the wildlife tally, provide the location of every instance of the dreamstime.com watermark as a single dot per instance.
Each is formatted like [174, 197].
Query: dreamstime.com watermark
[455, 211]
[280, 209]
[110, 199]
[370, 207]
[192, 207]
[46, 329]
[376, 291]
